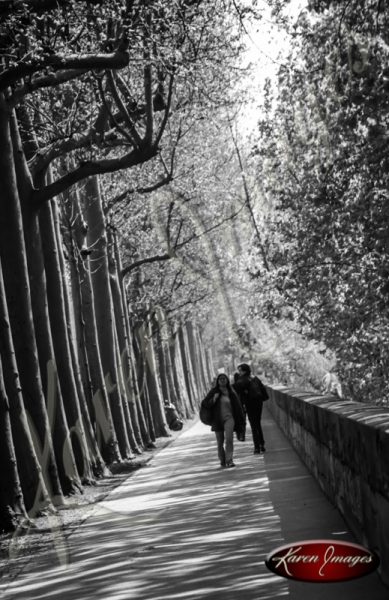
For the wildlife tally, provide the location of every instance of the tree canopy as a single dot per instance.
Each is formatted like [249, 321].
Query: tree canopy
[322, 159]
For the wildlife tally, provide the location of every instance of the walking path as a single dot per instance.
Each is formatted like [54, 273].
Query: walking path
[183, 528]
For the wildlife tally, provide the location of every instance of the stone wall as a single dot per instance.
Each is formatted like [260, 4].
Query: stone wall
[346, 447]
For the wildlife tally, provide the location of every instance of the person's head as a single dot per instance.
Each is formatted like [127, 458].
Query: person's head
[222, 381]
[244, 369]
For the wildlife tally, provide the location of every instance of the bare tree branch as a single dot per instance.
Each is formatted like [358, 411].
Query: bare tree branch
[248, 200]
[143, 261]
[50, 80]
[44, 157]
[164, 180]
[87, 169]
[169, 218]
[197, 236]
[191, 301]
[58, 62]
[134, 136]
[172, 251]
[147, 77]
[167, 110]
[139, 190]
[11, 6]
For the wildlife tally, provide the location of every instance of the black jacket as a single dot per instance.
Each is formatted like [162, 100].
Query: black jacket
[250, 390]
[237, 411]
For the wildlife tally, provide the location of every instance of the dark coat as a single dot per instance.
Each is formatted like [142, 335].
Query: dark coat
[250, 390]
[237, 410]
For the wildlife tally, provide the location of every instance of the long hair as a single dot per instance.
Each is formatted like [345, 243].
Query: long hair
[230, 390]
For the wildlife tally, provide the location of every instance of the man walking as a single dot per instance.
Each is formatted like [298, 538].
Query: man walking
[252, 393]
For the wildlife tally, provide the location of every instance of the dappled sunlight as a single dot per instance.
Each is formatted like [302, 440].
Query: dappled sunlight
[182, 527]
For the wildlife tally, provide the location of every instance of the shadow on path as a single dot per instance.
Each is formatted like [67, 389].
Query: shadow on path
[183, 528]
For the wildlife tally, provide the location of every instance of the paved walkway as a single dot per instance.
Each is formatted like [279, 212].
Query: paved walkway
[182, 528]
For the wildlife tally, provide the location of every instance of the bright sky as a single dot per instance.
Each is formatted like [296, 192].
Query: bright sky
[267, 44]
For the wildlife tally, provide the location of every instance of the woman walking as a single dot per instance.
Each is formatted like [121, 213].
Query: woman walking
[227, 417]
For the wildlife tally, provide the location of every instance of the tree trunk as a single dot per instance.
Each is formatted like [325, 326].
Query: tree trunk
[64, 456]
[13, 255]
[129, 403]
[152, 378]
[131, 382]
[147, 437]
[179, 377]
[57, 312]
[187, 367]
[194, 349]
[97, 239]
[203, 361]
[12, 509]
[34, 489]
[165, 365]
[142, 384]
[74, 234]
[159, 343]
[126, 406]
[127, 354]
[100, 409]
[168, 377]
[175, 397]
[210, 365]
[98, 466]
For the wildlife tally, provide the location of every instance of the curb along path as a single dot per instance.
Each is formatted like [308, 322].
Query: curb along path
[183, 528]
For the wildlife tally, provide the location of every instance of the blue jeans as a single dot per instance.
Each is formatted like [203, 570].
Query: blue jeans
[225, 441]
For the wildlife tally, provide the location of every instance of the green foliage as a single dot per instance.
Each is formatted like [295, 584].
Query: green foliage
[193, 220]
[323, 164]
[101, 80]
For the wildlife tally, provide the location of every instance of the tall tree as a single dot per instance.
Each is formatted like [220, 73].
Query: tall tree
[35, 494]
[12, 509]
[13, 256]
[105, 317]
[85, 318]
[323, 163]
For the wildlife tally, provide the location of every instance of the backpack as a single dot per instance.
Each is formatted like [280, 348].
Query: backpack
[206, 414]
[258, 389]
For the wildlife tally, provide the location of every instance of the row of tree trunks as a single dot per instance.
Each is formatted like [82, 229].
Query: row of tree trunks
[124, 358]
[38, 277]
[179, 376]
[80, 385]
[105, 319]
[197, 358]
[29, 469]
[187, 367]
[181, 368]
[60, 332]
[97, 462]
[151, 377]
[86, 330]
[140, 374]
[17, 289]
[12, 509]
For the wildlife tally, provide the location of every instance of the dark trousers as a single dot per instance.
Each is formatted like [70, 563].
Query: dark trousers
[254, 416]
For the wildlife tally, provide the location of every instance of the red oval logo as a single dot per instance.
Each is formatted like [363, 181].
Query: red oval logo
[322, 561]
